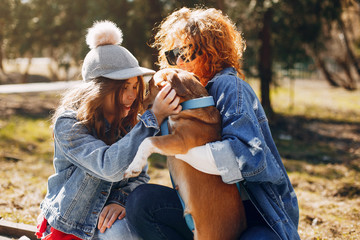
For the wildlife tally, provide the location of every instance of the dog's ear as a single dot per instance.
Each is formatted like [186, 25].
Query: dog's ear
[192, 84]
[177, 84]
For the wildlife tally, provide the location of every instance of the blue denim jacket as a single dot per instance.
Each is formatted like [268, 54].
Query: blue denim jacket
[90, 174]
[247, 153]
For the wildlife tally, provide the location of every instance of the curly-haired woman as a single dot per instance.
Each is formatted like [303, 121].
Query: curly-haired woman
[206, 42]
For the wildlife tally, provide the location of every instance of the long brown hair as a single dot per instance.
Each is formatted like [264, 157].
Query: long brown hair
[88, 101]
[205, 30]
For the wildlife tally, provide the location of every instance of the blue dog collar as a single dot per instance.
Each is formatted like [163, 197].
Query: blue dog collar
[190, 104]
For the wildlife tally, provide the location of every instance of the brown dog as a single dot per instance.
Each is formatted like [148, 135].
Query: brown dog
[216, 207]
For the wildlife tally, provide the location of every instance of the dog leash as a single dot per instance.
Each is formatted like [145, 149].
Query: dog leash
[190, 104]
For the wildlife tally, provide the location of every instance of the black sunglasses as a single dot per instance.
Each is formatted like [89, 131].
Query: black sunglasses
[173, 55]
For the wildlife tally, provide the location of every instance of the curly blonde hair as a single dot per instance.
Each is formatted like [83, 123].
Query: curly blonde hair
[88, 100]
[207, 31]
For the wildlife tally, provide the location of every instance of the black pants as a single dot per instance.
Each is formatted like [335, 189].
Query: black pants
[156, 213]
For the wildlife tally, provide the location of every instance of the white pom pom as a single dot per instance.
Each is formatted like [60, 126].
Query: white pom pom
[103, 33]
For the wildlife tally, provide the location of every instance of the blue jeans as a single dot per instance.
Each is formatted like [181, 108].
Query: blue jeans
[120, 230]
[156, 213]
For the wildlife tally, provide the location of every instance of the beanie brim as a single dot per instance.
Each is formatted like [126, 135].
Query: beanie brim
[129, 73]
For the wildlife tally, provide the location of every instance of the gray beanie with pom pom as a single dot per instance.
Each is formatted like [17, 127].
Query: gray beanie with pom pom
[106, 58]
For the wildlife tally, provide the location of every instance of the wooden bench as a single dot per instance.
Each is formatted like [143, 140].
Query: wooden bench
[16, 230]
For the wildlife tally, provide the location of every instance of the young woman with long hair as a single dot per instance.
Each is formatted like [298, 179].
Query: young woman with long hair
[97, 131]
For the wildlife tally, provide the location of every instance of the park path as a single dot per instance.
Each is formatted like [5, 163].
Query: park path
[37, 87]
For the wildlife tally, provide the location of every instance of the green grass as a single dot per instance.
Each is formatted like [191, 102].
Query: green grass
[26, 160]
[26, 138]
[320, 101]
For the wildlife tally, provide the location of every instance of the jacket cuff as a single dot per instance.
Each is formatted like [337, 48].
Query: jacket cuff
[226, 162]
[117, 196]
[149, 119]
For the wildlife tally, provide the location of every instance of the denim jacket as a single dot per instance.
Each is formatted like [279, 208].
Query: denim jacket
[247, 153]
[90, 174]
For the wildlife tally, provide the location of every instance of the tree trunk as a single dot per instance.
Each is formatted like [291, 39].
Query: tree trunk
[265, 62]
[26, 72]
[54, 76]
[221, 5]
[334, 79]
[1, 62]
[154, 18]
[53, 72]
[349, 83]
[321, 65]
[1, 56]
[348, 47]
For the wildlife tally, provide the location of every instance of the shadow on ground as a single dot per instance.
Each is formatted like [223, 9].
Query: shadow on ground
[33, 105]
[317, 141]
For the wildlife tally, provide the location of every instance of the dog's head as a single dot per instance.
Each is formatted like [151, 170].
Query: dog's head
[186, 85]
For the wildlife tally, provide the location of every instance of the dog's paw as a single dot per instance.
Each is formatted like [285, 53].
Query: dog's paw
[137, 164]
[145, 149]
[132, 172]
[135, 167]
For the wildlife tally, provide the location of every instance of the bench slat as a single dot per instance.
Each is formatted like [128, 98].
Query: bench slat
[17, 230]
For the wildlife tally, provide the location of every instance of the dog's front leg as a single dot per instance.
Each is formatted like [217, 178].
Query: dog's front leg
[145, 149]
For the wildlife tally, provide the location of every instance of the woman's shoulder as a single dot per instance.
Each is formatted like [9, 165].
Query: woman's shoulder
[228, 84]
[68, 114]
[227, 79]
[65, 120]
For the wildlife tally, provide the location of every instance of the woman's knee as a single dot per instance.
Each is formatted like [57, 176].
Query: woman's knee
[120, 230]
[138, 195]
[136, 201]
[146, 199]
[138, 204]
[146, 196]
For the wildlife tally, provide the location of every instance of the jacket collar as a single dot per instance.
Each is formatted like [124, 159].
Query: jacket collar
[225, 71]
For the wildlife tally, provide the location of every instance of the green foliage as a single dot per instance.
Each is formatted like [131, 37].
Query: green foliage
[294, 24]
[5, 17]
[23, 38]
[56, 28]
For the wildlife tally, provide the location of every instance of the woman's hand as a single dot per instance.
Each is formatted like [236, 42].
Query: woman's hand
[166, 103]
[109, 214]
